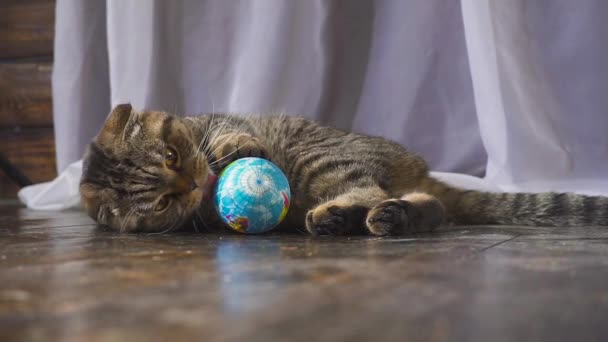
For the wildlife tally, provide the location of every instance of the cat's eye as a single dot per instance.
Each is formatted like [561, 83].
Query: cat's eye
[171, 157]
[162, 203]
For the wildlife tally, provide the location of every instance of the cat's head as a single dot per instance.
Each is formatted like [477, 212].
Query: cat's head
[143, 172]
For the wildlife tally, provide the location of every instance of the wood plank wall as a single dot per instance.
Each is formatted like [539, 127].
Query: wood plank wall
[26, 121]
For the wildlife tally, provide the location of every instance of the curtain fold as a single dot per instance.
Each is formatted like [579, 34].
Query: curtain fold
[540, 78]
[80, 80]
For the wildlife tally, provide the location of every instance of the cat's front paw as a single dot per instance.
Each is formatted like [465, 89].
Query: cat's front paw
[232, 146]
[335, 219]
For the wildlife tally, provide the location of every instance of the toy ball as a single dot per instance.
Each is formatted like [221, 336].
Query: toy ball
[252, 195]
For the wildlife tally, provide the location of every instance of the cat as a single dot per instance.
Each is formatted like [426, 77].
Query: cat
[153, 172]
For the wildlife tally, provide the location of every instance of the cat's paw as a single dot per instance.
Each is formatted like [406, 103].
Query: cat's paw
[389, 218]
[233, 146]
[399, 217]
[332, 218]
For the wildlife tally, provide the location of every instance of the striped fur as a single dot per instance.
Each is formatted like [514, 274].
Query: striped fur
[342, 183]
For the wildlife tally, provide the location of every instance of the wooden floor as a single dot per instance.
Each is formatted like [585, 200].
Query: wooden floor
[63, 279]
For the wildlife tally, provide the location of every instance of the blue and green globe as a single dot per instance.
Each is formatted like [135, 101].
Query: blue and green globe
[252, 195]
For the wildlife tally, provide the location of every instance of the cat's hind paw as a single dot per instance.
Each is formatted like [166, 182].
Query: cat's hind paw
[331, 218]
[389, 218]
[414, 214]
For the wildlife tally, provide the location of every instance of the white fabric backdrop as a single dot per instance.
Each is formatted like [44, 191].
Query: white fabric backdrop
[523, 97]
[540, 74]
[393, 68]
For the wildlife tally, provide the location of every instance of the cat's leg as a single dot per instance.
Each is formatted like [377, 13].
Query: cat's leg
[346, 213]
[370, 209]
[414, 212]
[231, 146]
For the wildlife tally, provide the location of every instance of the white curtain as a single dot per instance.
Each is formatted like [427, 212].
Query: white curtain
[540, 74]
[514, 90]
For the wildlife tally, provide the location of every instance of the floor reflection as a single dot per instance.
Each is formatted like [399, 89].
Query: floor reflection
[247, 276]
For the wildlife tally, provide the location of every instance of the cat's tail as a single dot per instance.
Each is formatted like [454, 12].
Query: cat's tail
[527, 209]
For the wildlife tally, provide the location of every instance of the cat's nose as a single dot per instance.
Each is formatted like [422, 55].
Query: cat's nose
[185, 185]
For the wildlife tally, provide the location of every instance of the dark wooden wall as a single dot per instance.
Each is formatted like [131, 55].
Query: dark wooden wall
[26, 121]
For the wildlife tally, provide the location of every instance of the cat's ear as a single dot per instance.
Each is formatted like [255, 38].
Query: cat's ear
[115, 124]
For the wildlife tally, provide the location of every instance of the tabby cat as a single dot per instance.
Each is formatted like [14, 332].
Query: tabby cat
[153, 172]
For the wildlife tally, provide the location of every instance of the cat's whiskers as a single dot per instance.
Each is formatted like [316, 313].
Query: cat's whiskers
[196, 151]
[208, 131]
[173, 225]
[195, 225]
[206, 135]
[220, 131]
[236, 131]
[202, 221]
[209, 125]
[175, 109]
[124, 220]
[215, 162]
[200, 145]
[130, 213]
[212, 103]
[301, 230]
[217, 133]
